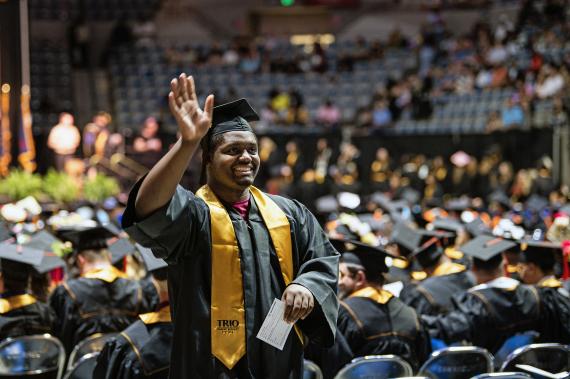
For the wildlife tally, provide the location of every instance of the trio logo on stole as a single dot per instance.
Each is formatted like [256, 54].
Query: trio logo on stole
[227, 327]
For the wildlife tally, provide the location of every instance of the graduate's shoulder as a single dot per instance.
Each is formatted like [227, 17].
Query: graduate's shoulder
[291, 207]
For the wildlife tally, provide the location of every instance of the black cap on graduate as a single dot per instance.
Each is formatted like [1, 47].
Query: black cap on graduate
[406, 238]
[157, 267]
[429, 252]
[372, 259]
[486, 250]
[544, 254]
[44, 241]
[16, 262]
[229, 117]
[94, 238]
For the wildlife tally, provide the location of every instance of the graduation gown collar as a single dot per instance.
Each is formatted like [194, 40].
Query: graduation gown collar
[376, 294]
[162, 315]
[14, 302]
[107, 274]
[502, 282]
[550, 282]
[448, 268]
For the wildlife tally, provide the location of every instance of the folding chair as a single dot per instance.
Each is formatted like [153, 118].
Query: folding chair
[311, 370]
[84, 367]
[375, 367]
[551, 357]
[457, 362]
[91, 344]
[37, 356]
[503, 375]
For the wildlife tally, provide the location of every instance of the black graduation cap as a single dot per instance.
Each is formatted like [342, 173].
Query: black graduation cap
[230, 117]
[477, 228]
[406, 237]
[500, 197]
[458, 205]
[371, 258]
[120, 249]
[150, 261]
[5, 232]
[536, 203]
[20, 254]
[376, 223]
[542, 253]
[44, 241]
[449, 225]
[429, 251]
[486, 247]
[94, 238]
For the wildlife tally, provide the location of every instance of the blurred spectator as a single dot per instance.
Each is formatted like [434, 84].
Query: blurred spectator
[144, 32]
[494, 122]
[512, 114]
[381, 115]
[550, 82]
[328, 114]
[95, 135]
[64, 139]
[148, 144]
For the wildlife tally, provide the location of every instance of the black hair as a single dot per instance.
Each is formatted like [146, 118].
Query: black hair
[209, 146]
[16, 276]
[490, 265]
[371, 276]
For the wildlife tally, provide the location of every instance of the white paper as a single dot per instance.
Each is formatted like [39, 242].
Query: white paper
[395, 288]
[274, 329]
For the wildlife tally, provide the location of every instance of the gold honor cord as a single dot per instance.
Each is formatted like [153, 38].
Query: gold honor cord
[227, 318]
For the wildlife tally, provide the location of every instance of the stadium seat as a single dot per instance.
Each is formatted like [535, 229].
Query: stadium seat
[38, 356]
[551, 357]
[311, 370]
[375, 367]
[457, 363]
[83, 368]
[91, 344]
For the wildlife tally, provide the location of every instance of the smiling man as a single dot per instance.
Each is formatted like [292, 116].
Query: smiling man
[231, 249]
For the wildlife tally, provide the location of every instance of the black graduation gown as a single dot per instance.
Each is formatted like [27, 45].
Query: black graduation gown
[433, 295]
[487, 316]
[35, 318]
[140, 351]
[85, 306]
[372, 328]
[180, 233]
[330, 359]
[555, 304]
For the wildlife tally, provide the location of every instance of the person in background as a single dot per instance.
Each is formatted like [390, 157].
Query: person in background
[148, 144]
[64, 139]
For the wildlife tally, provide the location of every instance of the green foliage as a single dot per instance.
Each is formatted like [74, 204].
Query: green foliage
[20, 184]
[60, 187]
[100, 187]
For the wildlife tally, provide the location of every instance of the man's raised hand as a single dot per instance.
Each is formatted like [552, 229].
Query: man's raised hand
[193, 122]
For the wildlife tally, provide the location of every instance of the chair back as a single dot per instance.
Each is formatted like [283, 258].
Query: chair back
[503, 375]
[551, 357]
[375, 367]
[513, 343]
[311, 370]
[37, 356]
[457, 362]
[84, 368]
[91, 344]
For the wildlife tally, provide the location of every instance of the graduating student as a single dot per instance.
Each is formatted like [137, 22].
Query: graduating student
[20, 312]
[102, 299]
[445, 279]
[373, 321]
[492, 311]
[231, 249]
[537, 261]
[143, 349]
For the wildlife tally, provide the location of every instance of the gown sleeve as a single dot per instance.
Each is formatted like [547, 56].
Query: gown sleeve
[318, 272]
[168, 229]
[65, 317]
[470, 317]
[413, 296]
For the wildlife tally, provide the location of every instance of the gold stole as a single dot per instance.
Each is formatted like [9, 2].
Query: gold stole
[227, 318]
[14, 302]
[378, 295]
[162, 315]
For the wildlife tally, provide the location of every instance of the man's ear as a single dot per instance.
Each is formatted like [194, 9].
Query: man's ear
[80, 260]
[360, 277]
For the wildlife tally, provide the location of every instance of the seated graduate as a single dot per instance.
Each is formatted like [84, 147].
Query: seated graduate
[20, 312]
[143, 349]
[495, 309]
[372, 320]
[403, 242]
[433, 295]
[102, 299]
[537, 262]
